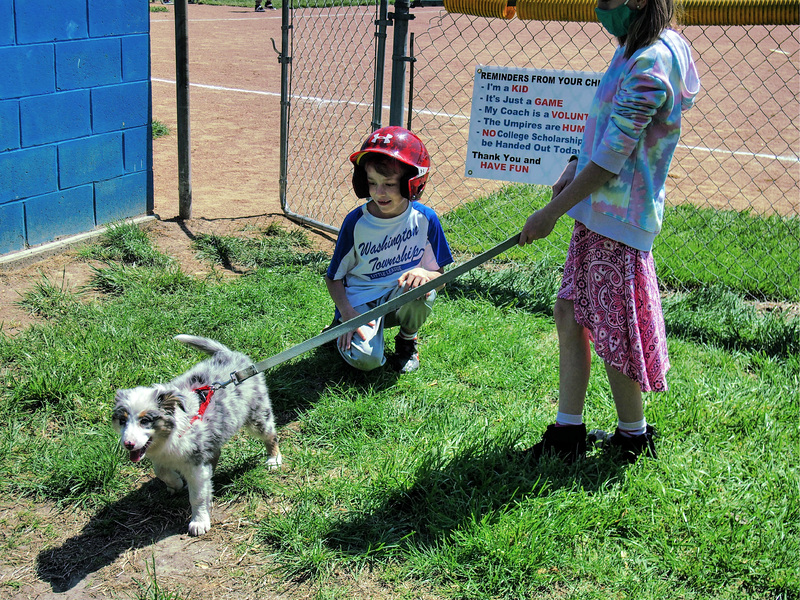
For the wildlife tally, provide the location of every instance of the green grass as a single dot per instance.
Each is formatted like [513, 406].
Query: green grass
[158, 128]
[419, 480]
[752, 256]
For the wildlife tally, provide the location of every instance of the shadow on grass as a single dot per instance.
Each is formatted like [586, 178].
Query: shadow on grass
[447, 494]
[295, 387]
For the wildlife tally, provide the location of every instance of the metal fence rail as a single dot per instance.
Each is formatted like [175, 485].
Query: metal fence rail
[739, 149]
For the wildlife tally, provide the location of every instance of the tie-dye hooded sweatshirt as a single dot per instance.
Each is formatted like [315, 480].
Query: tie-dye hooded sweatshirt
[632, 130]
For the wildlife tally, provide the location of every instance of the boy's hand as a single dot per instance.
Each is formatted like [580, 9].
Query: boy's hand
[415, 278]
[344, 340]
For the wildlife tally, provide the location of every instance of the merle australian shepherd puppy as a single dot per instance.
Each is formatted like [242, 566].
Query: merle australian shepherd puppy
[182, 425]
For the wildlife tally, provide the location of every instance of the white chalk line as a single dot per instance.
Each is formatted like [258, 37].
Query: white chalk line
[219, 88]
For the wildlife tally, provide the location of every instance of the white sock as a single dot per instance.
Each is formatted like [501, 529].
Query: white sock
[407, 336]
[565, 419]
[632, 429]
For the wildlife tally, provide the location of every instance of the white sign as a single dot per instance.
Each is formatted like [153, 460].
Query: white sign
[525, 123]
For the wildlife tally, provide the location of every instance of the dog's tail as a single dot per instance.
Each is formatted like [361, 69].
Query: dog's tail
[206, 345]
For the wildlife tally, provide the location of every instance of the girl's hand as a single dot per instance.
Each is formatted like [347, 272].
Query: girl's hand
[567, 175]
[539, 225]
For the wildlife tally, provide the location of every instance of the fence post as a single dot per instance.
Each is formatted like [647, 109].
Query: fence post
[182, 100]
[380, 63]
[286, 61]
[401, 18]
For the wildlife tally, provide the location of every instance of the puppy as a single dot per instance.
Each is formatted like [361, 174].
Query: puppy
[182, 425]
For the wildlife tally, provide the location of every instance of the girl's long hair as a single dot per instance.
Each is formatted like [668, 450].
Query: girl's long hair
[656, 16]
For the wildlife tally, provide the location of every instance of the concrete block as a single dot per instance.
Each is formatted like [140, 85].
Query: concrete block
[90, 159]
[136, 148]
[121, 106]
[118, 17]
[54, 117]
[51, 21]
[62, 213]
[121, 198]
[12, 227]
[27, 70]
[9, 125]
[7, 36]
[28, 172]
[135, 57]
[88, 63]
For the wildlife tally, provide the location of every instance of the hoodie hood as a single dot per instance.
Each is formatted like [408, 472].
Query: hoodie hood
[690, 81]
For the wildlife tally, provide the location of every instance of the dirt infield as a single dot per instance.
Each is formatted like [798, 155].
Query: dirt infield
[234, 109]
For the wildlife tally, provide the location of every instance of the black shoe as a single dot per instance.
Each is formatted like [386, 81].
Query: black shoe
[627, 449]
[567, 443]
[259, 8]
[406, 355]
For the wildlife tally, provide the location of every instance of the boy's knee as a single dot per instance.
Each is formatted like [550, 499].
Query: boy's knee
[411, 316]
[362, 361]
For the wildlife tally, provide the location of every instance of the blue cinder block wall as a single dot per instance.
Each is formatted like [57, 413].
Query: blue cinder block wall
[75, 111]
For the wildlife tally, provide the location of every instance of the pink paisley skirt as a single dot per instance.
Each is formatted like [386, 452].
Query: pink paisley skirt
[615, 293]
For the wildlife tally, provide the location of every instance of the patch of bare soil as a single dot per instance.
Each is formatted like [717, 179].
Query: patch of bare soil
[140, 545]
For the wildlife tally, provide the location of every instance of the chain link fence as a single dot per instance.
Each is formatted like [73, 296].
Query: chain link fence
[737, 158]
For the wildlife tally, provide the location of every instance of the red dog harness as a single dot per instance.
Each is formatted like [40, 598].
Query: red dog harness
[206, 393]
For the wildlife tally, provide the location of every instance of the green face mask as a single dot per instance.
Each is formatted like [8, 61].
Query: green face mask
[617, 20]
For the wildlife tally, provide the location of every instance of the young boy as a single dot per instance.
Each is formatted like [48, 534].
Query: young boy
[387, 246]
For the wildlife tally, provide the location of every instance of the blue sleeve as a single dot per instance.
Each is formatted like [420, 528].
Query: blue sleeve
[344, 245]
[436, 237]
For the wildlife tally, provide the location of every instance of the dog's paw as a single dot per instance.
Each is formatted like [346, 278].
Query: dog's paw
[274, 462]
[174, 489]
[199, 526]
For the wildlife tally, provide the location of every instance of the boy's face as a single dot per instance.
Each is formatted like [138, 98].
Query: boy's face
[387, 201]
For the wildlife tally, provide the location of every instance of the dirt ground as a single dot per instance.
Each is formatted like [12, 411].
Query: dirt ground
[76, 554]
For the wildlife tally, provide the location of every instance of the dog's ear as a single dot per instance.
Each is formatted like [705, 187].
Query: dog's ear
[169, 402]
[119, 415]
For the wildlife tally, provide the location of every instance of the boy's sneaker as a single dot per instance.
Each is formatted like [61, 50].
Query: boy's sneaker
[626, 448]
[567, 443]
[406, 355]
[259, 8]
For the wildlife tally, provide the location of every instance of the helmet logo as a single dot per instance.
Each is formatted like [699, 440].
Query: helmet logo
[386, 139]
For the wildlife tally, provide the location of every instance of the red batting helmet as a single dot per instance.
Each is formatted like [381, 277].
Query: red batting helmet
[401, 144]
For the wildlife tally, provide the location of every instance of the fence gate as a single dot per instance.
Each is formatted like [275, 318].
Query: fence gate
[739, 153]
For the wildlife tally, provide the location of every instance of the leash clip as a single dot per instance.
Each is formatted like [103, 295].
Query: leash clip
[218, 385]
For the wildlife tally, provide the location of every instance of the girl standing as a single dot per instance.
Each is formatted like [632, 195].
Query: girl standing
[615, 192]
